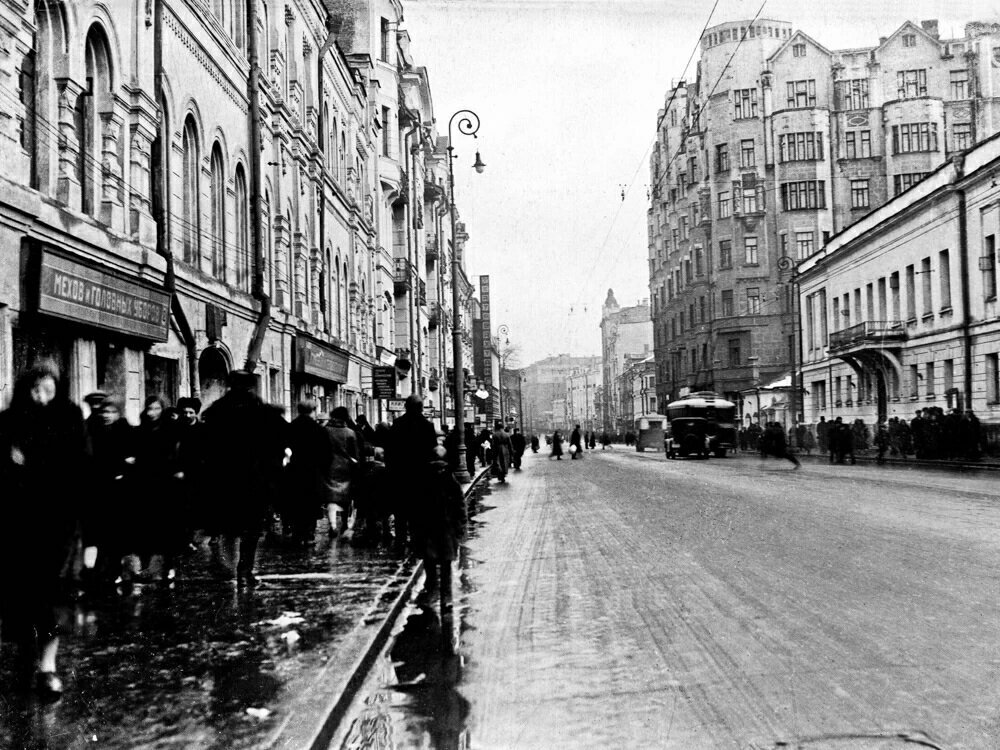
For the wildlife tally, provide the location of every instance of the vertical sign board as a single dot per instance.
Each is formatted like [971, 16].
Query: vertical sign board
[487, 362]
[383, 381]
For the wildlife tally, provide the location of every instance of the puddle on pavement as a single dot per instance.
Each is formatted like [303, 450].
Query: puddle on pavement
[414, 696]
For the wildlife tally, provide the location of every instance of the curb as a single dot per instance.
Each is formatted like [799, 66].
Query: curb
[922, 463]
[296, 734]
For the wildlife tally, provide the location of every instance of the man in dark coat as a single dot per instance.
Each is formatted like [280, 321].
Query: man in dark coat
[191, 452]
[304, 475]
[823, 434]
[408, 453]
[517, 444]
[247, 439]
[574, 439]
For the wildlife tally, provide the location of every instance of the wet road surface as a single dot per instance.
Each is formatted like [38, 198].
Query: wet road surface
[629, 601]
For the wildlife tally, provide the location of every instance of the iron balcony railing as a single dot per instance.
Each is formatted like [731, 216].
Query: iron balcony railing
[403, 275]
[869, 332]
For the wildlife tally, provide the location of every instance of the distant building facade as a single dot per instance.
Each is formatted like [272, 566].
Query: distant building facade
[626, 332]
[543, 390]
[777, 145]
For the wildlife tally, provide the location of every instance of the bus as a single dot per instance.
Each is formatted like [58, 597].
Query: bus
[698, 424]
[649, 432]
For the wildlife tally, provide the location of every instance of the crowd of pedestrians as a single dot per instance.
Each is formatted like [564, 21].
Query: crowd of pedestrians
[97, 505]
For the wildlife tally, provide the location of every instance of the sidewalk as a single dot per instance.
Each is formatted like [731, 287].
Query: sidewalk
[201, 664]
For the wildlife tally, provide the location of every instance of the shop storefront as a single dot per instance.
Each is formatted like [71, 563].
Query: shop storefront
[320, 372]
[96, 326]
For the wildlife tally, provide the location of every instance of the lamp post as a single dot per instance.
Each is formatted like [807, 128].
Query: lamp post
[468, 124]
[503, 332]
[787, 264]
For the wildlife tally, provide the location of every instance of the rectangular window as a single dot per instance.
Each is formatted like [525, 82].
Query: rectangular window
[801, 93]
[927, 286]
[992, 378]
[902, 182]
[724, 207]
[860, 197]
[948, 374]
[750, 251]
[722, 157]
[699, 262]
[809, 194]
[725, 253]
[804, 244]
[894, 294]
[801, 146]
[880, 291]
[746, 103]
[853, 93]
[961, 136]
[929, 378]
[911, 83]
[735, 356]
[798, 50]
[944, 279]
[702, 310]
[753, 301]
[914, 381]
[727, 303]
[747, 157]
[684, 227]
[914, 137]
[749, 201]
[909, 40]
[385, 131]
[959, 84]
[385, 40]
[911, 293]
[675, 235]
[988, 262]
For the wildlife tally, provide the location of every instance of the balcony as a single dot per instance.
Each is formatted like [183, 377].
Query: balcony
[869, 333]
[421, 293]
[434, 315]
[431, 248]
[402, 278]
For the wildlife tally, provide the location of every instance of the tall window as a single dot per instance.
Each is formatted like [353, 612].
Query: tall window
[386, 45]
[750, 251]
[749, 200]
[798, 50]
[915, 136]
[911, 293]
[753, 301]
[857, 144]
[699, 262]
[860, 197]
[735, 359]
[944, 279]
[725, 253]
[804, 245]
[386, 119]
[747, 157]
[808, 194]
[218, 209]
[241, 216]
[190, 203]
[727, 303]
[961, 133]
[992, 378]
[724, 207]
[927, 286]
[91, 103]
[801, 146]
[330, 138]
[745, 102]
[909, 40]
[853, 93]
[911, 83]
[901, 182]
[801, 93]
[722, 157]
[959, 84]
[988, 263]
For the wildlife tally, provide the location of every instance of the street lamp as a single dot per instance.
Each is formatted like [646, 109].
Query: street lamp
[503, 332]
[787, 264]
[468, 124]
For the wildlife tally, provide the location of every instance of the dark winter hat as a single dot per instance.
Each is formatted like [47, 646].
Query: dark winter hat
[95, 399]
[189, 402]
[241, 380]
[341, 414]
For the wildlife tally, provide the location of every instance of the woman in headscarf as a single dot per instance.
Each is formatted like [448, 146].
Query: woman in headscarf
[342, 468]
[42, 454]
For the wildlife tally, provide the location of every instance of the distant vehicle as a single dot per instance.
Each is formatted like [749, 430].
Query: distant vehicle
[699, 424]
[649, 430]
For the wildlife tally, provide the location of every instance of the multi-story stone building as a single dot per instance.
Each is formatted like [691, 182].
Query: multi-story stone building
[581, 392]
[776, 145]
[544, 390]
[193, 187]
[899, 311]
[626, 333]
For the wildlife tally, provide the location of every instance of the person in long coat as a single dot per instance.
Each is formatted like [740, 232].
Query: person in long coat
[247, 439]
[438, 519]
[574, 439]
[341, 469]
[191, 453]
[409, 449]
[517, 444]
[111, 445]
[42, 461]
[557, 442]
[158, 518]
[305, 494]
[501, 452]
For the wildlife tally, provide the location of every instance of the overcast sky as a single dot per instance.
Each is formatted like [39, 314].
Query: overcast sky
[568, 91]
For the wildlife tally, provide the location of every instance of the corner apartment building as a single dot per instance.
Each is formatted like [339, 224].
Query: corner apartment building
[778, 144]
[626, 334]
[899, 310]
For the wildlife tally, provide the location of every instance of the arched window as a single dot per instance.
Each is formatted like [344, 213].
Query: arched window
[335, 297]
[342, 296]
[159, 173]
[342, 160]
[190, 213]
[327, 141]
[219, 9]
[264, 41]
[268, 246]
[241, 216]
[218, 209]
[324, 292]
[45, 65]
[94, 100]
[289, 55]
[29, 114]
[239, 25]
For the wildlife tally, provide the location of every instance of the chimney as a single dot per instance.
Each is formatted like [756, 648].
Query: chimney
[881, 40]
[931, 27]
